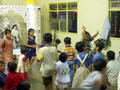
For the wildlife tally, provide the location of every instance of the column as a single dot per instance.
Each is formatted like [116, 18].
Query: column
[31, 13]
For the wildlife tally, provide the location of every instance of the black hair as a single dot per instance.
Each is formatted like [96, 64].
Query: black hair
[30, 30]
[63, 57]
[23, 86]
[99, 44]
[99, 64]
[14, 26]
[57, 41]
[12, 66]
[7, 31]
[1, 62]
[23, 49]
[111, 55]
[79, 46]
[88, 34]
[47, 37]
[67, 40]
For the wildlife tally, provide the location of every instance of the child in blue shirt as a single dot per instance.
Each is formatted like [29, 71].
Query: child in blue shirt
[98, 46]
[81, 47]
[31, 45]
[2, 75]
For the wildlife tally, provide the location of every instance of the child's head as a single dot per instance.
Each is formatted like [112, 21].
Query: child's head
[98, 45]
[8, 33]
[110, 55]
[67, 40]
[86, 35]
[63, 57]
[100, 65]
[8, 27]
[23, 86]
[2, 66]
[23, 50]
[12, 66]
[31, 32]
[81, 46]
[57, 42]
[47, 38]
[14, 27]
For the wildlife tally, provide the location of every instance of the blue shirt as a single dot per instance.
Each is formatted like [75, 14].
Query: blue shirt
[87, 62]
[2, 80]
[98, 55]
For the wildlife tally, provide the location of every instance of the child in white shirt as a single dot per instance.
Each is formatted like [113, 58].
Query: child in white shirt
[63, 76]
[22, 67]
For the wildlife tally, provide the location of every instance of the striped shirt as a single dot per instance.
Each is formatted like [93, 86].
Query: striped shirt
[70, 51]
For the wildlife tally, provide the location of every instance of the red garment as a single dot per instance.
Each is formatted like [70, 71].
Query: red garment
[12, 81]
[23, 76]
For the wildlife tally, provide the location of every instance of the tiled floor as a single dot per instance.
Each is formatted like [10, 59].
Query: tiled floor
[35, 78]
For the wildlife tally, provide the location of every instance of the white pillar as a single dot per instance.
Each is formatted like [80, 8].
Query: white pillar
[31, 16]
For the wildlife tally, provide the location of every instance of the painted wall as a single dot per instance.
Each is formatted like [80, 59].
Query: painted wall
[91, 13]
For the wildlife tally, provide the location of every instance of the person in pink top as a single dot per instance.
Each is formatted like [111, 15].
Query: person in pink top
[7, 47]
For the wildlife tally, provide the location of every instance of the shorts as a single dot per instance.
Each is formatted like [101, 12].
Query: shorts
[61, 85]
[47, 80]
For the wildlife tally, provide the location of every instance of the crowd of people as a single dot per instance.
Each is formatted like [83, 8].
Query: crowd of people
[80, 67]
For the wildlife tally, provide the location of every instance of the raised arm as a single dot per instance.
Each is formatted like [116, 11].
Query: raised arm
[96, 34]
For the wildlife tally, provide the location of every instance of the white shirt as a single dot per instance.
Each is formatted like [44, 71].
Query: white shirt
[62, 72]
[89, 82]
[48, 64]
[113, 69]
[20, 68]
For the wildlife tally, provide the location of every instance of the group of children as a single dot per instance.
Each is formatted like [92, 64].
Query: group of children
[13, 80]
[14, 73]
[74, 67]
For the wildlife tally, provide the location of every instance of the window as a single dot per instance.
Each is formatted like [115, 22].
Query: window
[63, 17]
[114, 14]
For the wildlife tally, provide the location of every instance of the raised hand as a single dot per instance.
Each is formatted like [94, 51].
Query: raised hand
[84, 28]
